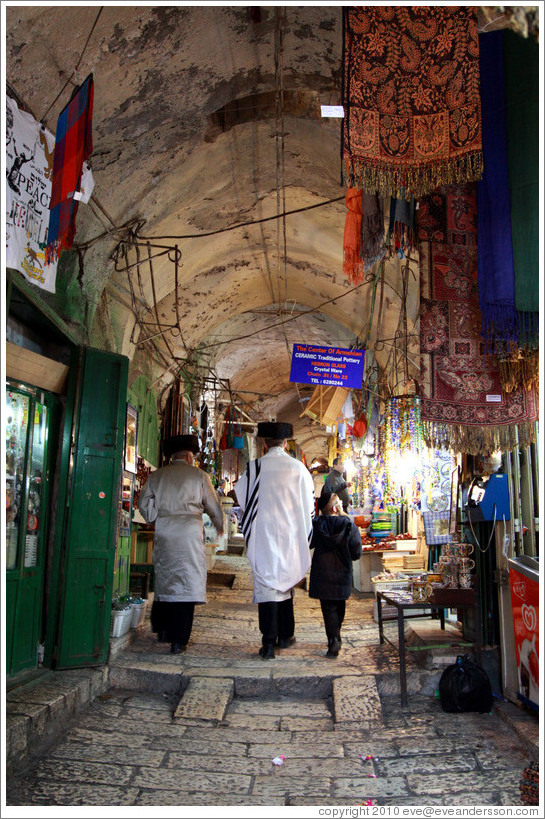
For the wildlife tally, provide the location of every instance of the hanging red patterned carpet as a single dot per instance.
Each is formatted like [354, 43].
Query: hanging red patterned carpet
[411, 98]
[463, 406]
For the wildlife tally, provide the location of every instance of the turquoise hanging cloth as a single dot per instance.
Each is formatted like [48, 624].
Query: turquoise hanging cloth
[521, 56]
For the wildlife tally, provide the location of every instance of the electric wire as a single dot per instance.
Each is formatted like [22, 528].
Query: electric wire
[137, 239]
[285, 321]
[42, 119]
[246, 224]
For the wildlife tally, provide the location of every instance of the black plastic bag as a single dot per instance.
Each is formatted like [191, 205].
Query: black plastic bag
[465, 686]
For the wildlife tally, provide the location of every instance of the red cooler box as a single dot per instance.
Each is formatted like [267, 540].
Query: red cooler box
[524, 578]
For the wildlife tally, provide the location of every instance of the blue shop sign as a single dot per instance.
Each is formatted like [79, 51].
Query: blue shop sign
[328, 366]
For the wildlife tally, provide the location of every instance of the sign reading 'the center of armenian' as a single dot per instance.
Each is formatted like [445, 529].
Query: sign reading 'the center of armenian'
[329, 366]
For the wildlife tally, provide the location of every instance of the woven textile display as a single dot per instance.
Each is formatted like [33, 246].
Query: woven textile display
[411, 98]
[496, 270]
[522, 125]
[511, 333]
[463, 406]
[73, 144]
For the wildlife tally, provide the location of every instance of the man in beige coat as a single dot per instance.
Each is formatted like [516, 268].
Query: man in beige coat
[174, 498]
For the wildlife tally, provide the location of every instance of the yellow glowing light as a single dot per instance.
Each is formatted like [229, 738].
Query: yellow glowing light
[402, 468]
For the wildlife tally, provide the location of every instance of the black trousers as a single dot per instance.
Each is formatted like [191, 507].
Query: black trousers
[333, 614]
[172, 621]
[276, 621]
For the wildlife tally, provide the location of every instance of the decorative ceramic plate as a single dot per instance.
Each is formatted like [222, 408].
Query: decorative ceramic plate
[439, 503]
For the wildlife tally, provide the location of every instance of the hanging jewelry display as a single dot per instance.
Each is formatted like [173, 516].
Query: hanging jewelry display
[402, 448]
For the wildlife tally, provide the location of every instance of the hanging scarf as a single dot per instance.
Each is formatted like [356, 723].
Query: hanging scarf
[363, 243]
[73, 144]
[496, 271]
[411, 98]
[522, 123]
[372, 229]
[400, 236]
[352, 261]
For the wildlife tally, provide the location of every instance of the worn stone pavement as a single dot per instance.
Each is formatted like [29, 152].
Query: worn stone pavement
[202, 728]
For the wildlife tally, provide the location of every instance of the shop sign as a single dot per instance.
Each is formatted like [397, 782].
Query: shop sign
[525, 605]
[327, 366]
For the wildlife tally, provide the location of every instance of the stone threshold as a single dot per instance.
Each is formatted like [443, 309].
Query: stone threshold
[523, 723]
[39, 708]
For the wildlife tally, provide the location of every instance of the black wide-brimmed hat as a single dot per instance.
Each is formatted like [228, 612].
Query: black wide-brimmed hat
[274, 429]
[181, 443]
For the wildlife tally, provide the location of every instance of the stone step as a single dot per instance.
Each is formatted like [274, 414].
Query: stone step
[356, 700]
[170, 675]
[37, 710]
[163, 675]
[205, 698]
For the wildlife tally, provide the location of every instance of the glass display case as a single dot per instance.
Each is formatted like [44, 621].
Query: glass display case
[127, 491]
[29, 424]
[26, 439]
[131, 438]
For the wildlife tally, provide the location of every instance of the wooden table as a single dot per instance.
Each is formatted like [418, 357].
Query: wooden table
[370, 562]
[466, 599]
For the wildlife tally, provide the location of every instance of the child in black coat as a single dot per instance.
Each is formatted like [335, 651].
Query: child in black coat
[336, 542]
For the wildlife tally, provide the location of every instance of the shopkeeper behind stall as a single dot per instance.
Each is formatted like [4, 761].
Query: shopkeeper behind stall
[335, 483]
[174, 498]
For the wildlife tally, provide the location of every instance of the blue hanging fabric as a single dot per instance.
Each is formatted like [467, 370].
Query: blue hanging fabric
[238, 438]
[495, 248]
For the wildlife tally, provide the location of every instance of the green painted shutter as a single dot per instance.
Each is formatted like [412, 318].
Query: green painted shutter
[89, 539]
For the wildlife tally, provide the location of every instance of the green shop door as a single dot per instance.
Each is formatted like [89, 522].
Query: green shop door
[90, 532]
[29, 440]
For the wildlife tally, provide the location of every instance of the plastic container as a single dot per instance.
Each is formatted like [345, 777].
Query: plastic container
[138, 612]
[120, 622]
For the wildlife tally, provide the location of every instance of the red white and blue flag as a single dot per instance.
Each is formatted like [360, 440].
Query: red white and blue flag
[73, 144]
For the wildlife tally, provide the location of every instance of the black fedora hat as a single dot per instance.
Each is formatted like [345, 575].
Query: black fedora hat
[274, 429]
[181, 443]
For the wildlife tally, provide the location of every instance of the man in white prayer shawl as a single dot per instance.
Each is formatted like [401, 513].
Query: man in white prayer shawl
[276, 494]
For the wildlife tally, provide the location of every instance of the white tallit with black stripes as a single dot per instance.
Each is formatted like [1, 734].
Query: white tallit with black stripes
[276, 494]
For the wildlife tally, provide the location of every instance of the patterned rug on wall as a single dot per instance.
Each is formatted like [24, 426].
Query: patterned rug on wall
[463, 405]
[411, 98]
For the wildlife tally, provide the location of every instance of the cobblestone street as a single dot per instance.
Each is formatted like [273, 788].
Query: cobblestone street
[203, 728]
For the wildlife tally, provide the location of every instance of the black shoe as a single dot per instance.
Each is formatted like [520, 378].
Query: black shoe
[334, 646]
[177, 648]
[289, 641]
[267, 652]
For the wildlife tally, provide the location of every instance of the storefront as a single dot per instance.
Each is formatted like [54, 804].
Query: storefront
[31, 427]
[64, 431]
[421, 519]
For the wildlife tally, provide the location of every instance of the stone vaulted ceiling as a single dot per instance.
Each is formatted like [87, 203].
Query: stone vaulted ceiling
[207, 118]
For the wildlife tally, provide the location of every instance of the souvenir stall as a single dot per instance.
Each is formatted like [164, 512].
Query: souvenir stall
[235, 447]
[382, 464]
